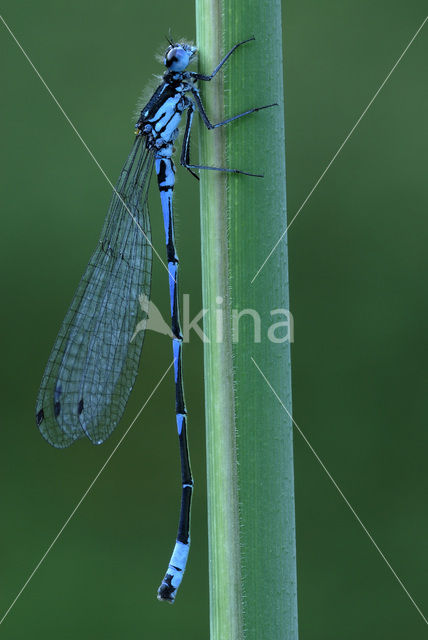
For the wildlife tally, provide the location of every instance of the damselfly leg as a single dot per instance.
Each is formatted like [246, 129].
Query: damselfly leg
[185, 151]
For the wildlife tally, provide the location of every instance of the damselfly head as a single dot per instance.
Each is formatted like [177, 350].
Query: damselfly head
[178, 56]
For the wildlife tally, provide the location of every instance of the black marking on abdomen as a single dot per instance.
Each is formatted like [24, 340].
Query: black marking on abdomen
[170, 251]
[162, 173]
[166, 590]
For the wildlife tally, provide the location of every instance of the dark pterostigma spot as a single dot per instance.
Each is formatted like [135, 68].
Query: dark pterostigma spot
[57, 409]
[80, 406]
[40, 416]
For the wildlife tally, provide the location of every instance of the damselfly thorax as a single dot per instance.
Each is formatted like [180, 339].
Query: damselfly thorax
[161, 117]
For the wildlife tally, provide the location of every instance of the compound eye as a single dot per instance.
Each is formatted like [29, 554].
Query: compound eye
[171, 56]
[176, 59]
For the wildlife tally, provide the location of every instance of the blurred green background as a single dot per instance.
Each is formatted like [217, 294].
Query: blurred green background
[358, 273]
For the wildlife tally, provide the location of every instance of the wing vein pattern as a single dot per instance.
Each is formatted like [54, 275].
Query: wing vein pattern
[94, 362]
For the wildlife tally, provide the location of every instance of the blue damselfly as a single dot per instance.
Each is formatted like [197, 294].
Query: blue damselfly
[93, 364]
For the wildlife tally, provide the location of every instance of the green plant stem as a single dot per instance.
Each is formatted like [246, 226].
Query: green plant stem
[249, 435]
